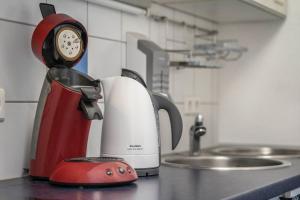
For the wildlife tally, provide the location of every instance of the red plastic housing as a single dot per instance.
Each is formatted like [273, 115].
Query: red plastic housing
[93, 173]
[63, 131]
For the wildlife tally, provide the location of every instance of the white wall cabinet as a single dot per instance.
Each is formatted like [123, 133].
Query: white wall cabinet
[278, 7]
[231, 11]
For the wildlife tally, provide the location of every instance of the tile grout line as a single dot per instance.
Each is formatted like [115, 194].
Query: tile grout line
[17, 22]
[108, 39]
[21, 101]
[87, 16]
[203, 103]
[121, 31]
[194, 71]
[33, 25]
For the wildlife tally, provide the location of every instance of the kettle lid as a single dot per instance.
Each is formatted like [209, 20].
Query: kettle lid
[58, 40]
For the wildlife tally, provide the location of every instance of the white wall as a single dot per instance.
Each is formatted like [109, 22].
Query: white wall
[260, 94]
[21, 74]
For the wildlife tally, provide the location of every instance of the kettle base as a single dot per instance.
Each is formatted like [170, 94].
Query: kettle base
[147, 172]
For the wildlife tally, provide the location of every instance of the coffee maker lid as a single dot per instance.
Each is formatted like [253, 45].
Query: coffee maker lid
[58, 40]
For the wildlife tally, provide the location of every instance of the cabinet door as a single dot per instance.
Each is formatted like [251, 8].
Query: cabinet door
[275, 6]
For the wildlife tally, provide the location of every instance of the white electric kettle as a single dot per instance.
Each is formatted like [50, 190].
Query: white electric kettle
[130, 126]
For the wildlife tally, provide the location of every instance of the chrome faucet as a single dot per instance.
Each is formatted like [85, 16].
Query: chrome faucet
[196, 131]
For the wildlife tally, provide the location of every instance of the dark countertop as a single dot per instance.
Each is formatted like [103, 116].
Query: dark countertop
[171, 184]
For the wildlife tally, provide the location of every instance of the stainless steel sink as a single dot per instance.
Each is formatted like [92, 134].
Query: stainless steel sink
[255, 151]
[222, 162]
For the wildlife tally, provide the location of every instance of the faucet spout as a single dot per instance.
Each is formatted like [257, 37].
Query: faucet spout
[196, 131]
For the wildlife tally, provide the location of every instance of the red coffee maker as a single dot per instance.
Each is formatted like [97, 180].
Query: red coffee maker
[68, 99]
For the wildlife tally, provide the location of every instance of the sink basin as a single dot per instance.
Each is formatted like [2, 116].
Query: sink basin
[222, 162]
[252, 151]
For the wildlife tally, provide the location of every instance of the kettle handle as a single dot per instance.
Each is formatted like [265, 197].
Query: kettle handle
[174, 115]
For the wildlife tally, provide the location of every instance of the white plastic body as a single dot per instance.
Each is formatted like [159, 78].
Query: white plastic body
[129, 127]
[135, 58]
[2, 105]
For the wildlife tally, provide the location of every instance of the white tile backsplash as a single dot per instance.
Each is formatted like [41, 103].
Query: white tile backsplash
[183, 84]
[177, 45]
[74, 8]
[21, 74]
[182, 33]
[15, 139]
[21, 11]
[123, 56]
[134, 23]
[179, 16]
[203, 84]
[203, 23]
[158, 33]
[104, 22]
[161, 31]
[157, 9]
[104, 58]
[167, 12]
